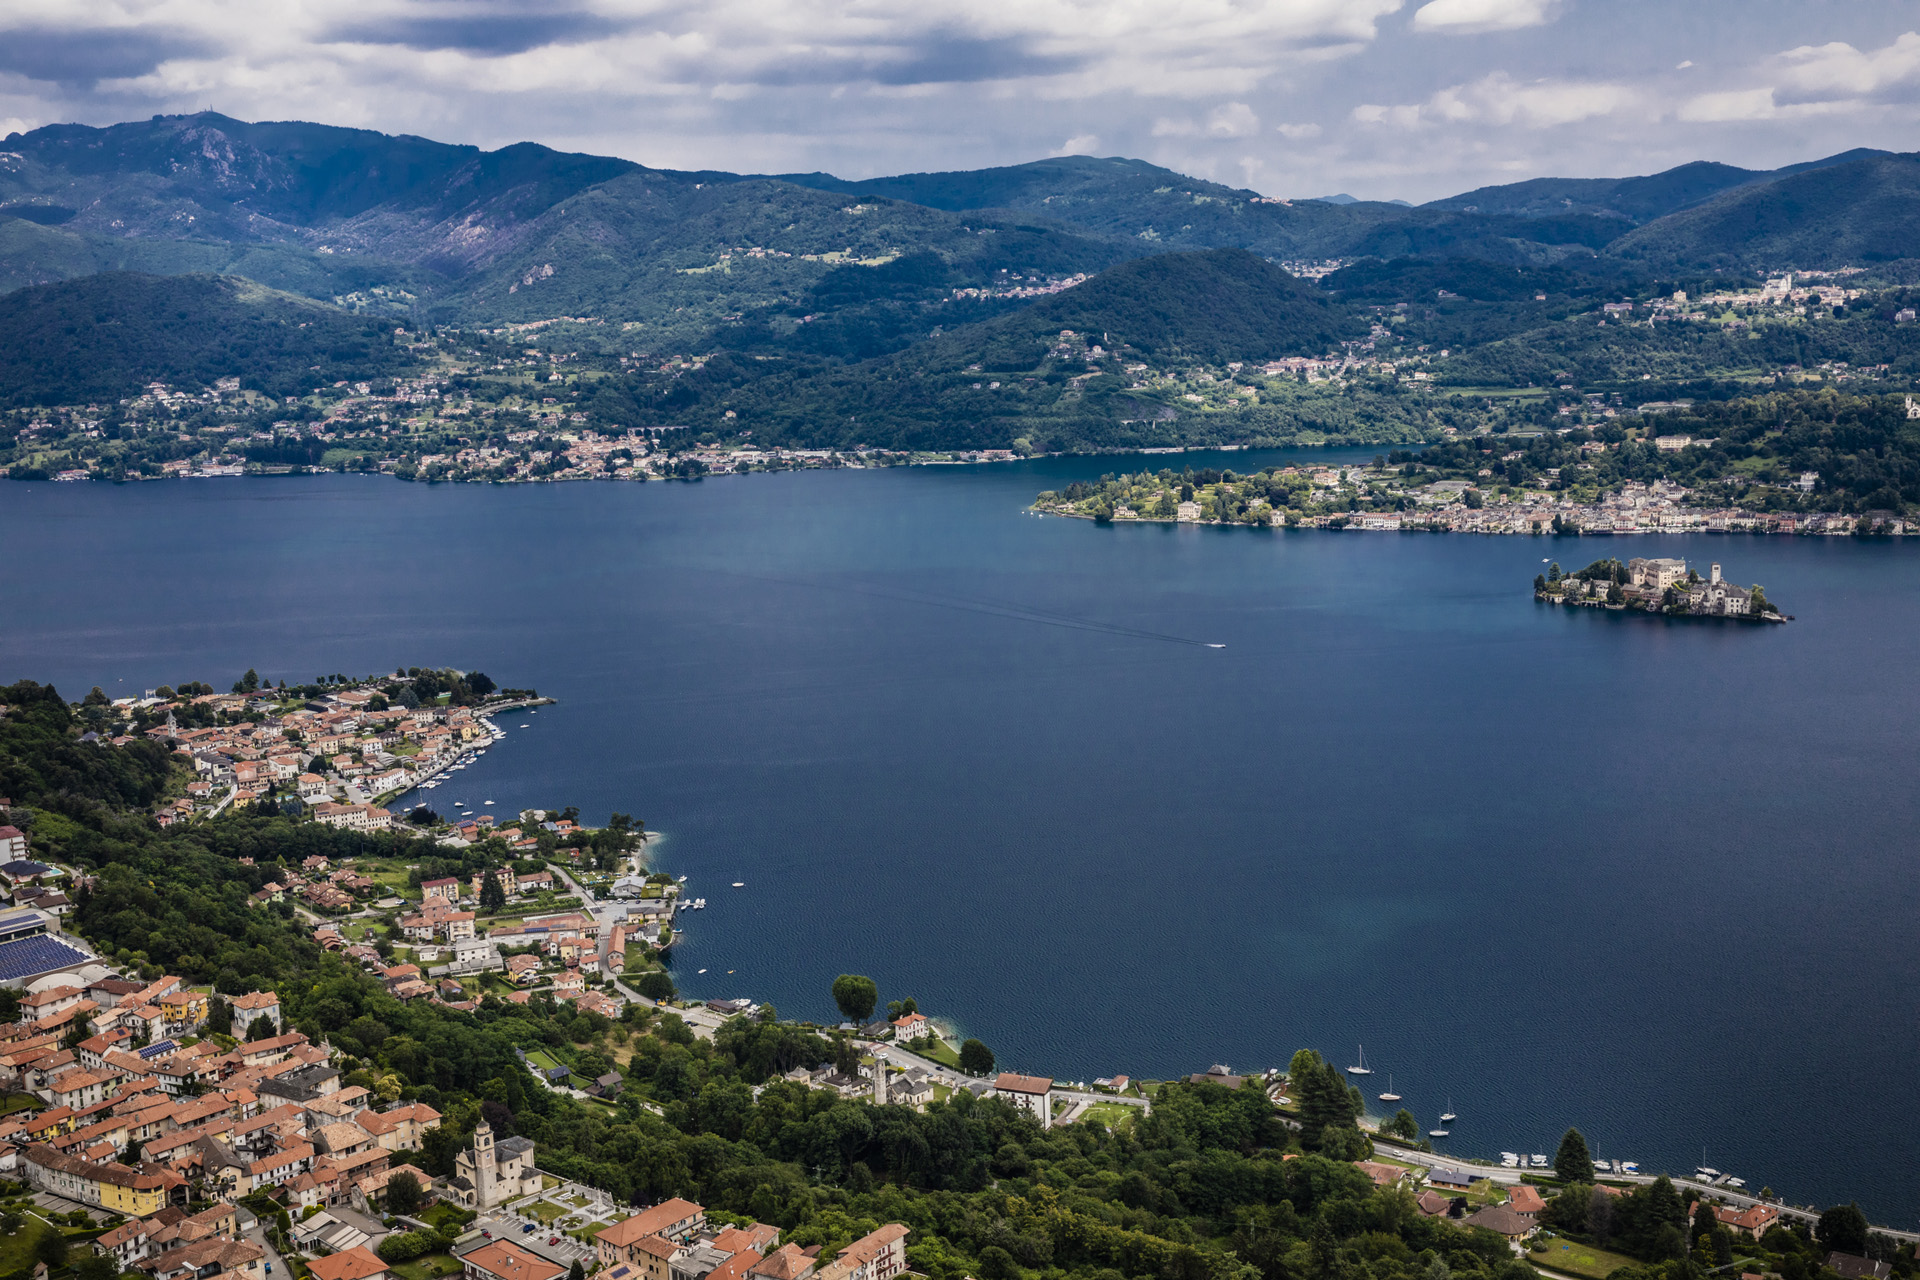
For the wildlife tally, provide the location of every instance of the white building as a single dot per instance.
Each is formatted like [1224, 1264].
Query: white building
[1034, 1093]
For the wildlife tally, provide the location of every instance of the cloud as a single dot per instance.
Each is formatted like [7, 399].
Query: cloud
[1081, 144]
[477, 29]
[1827, 72]
[1465, 17]
[1827, 79]
[86, 57]
[1298, 132]
[1499, 99]
[1234, 120]
[1731, 104]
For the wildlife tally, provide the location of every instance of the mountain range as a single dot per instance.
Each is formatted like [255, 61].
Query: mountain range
[446, 232]
[295, 242]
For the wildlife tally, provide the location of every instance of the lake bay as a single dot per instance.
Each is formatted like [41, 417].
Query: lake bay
[1651, 878]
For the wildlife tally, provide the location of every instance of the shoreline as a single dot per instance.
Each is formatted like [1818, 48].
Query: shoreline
[1358, 524]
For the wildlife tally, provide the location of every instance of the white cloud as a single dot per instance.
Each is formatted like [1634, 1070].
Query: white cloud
[1464, 17]
[1081, 144]
[1731, 104]
[1499, 99]
[1838, 70]
[1297, 132]
[1234, 120]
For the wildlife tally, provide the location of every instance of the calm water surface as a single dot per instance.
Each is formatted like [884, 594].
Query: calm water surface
[1560, 867]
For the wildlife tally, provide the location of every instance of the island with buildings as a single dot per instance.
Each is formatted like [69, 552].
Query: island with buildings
[1663, 586]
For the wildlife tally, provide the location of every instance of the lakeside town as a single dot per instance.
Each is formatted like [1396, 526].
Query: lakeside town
[172, 1129]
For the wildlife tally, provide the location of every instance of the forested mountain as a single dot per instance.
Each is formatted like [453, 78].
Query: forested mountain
[1862, 211]
[1634, 200]
[431, 231]
[104, 337]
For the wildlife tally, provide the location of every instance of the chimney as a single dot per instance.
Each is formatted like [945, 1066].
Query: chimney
[1716, 573]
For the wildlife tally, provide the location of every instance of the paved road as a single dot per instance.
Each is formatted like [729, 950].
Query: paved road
[1725, 1195]
[907, 1059]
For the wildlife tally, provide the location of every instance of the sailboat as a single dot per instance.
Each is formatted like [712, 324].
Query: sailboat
[1363, 1069]
[1389, 1095]
[1447, 1116]
[1437, 1133]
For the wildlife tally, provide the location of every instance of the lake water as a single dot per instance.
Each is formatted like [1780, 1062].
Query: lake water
[1557, 866]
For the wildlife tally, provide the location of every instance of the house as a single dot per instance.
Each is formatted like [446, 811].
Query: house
[1451, 1178]
[13, 844]
[215, 1256]
[911, 1027]
[502, 1260]
[1752, 1222]
[1525, 1200]
[359, 1263]
[1497, 1217]
[447, 887]
[788, 1262]
[251, 1008]
[1383, 1175]
[674, 1220]
[1655, 575]
[879, 1255]
[533, 881]
[1032, 1093]
[1853, 1267]
[1433, 1204]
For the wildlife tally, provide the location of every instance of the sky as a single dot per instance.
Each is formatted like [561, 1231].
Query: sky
[1384, 99]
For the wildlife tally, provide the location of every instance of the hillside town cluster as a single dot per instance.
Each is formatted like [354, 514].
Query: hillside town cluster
[337, 752]
[141, 1121]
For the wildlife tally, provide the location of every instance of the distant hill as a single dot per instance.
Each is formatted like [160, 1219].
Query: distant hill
[104, 337]
[1863, 211]
[1633, 200]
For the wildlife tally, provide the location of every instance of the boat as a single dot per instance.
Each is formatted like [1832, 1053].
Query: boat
[1389, 1095]
[1447, 1116]
[739, 884]
[703, 971]
[1509, 1158]
[1363, 1069]
[1711, 1173]
[1436, 1133]
[682, 880]
[1537, 1161]
[1629, 1166]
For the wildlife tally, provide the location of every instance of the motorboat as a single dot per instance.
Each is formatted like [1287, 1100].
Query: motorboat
[1436, 1133]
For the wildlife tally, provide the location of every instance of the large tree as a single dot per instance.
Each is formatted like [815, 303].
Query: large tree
[403, 1193]
[856, 995]
[1843, 1229]
[1573, 1162]
[975, 1058]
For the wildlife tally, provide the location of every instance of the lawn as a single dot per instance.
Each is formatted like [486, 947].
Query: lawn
[1580, 1259]
[542, 1059]
[19, 1102]
[939, 1051]
[446, 1213]
[547, 1211]
[1111, 1114]
[427, 1267]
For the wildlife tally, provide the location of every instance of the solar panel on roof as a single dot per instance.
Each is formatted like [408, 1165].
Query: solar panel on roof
[13, 924]
[154, 1050]
[24, 957]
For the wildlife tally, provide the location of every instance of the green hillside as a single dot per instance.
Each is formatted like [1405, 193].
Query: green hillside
[1633, 200]
[1863, 211]
[105, 336]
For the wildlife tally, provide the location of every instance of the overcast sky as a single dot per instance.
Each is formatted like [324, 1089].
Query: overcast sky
[1412, 99]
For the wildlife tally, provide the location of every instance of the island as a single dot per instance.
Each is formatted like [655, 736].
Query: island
[1649, 585]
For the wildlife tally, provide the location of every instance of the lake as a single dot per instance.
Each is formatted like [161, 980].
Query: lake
[1647, 877]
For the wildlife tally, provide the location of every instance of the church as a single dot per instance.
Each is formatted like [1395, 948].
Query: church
[492, 1173]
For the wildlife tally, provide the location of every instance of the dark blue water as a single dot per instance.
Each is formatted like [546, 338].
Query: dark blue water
[1562, 867]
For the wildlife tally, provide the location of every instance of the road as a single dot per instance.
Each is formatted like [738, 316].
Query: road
[1725, 1195]
[906, 1059]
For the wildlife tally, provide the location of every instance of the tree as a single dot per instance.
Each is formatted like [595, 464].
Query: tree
[975, 1058]
[1404, 1125]
[261, 1029]
[578, 1272]
[1843, 1229]
[856, 995]
[493, 894]
[403, 1193]
[1573, 1162]
[51, 1248]
[656, 985]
